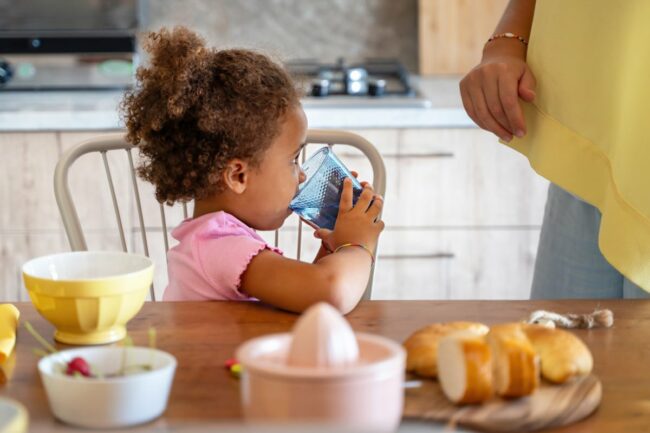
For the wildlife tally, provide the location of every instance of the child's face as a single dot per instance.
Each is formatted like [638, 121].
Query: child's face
[275, 182]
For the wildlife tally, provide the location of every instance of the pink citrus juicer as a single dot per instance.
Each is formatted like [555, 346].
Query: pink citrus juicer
[323, 373]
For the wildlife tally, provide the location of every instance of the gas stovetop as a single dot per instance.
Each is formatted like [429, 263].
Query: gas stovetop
[372, 83]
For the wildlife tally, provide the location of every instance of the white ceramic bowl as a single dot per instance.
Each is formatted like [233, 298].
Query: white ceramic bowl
[109, 402]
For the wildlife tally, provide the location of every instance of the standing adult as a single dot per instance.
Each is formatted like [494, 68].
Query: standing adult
[566, 83]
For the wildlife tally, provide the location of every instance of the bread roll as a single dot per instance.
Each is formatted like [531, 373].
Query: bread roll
[465, 367]
[562, 354]
[422, 346]
[515, 365]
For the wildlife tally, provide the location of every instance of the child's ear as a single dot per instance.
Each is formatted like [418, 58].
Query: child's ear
[236, 175]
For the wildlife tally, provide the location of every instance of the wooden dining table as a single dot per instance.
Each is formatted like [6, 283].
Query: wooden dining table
[203, 335]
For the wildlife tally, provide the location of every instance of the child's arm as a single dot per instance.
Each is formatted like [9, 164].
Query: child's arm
[339, 278]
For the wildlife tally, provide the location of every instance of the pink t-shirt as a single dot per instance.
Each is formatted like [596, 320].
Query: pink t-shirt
[213, 252]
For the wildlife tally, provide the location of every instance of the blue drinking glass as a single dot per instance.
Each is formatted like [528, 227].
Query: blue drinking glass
[318, 197]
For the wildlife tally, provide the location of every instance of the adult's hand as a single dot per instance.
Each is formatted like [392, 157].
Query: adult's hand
[491, 91]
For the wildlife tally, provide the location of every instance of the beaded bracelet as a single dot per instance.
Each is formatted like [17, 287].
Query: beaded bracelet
[508, 35]
[372, 256]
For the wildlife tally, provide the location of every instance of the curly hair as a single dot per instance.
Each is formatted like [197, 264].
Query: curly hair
[194, 109]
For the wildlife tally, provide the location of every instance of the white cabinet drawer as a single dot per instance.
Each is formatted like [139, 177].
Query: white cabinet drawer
[455, 264]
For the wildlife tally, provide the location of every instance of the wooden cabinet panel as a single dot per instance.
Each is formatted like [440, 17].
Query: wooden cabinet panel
[27, 164]
[451, 33]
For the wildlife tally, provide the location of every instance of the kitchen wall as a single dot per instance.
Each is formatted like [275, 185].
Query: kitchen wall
[290, 29]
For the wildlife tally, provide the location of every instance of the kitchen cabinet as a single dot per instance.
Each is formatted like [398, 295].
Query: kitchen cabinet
[462, 212]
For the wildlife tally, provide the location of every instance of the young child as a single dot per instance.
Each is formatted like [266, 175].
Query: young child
[224, 128]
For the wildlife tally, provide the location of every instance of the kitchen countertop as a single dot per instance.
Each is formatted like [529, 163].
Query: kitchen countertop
[97, 110]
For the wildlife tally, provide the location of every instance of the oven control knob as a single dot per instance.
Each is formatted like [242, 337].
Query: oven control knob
[377, 87]
[320, 88]
[5, 72]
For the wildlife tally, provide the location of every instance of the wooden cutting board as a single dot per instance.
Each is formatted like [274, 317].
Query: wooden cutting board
[550, 406]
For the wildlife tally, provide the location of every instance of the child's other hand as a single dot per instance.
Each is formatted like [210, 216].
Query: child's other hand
[359, 223]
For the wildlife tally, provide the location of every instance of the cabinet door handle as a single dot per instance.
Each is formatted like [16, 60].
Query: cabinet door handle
[435, 256]
[419, 155]
[406, 155]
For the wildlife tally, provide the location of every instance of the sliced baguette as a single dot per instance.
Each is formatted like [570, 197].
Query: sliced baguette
[515, 365]
[465, 367]
[422, 346]
[562, 354]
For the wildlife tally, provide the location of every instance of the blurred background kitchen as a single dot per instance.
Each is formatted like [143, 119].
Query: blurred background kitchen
[463, 213]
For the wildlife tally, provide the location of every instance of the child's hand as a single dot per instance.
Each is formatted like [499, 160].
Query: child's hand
[325, 235]
[357, 224]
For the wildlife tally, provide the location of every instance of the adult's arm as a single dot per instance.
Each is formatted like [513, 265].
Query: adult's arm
[491, 90]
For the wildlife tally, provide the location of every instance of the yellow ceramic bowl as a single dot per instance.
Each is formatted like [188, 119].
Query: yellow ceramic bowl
[88, 295]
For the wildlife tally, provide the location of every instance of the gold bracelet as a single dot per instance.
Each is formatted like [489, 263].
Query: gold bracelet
[372, 256]
[509, 36]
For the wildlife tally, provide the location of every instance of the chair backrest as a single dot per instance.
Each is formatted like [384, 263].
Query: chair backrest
[116, 142]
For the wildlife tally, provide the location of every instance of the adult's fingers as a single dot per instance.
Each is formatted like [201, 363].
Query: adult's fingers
[487, 122]
[467, 102]
[494, 104]
[510, 101]
[527, 85]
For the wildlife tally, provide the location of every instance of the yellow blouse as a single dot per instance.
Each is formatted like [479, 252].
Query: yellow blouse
[589, 126]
